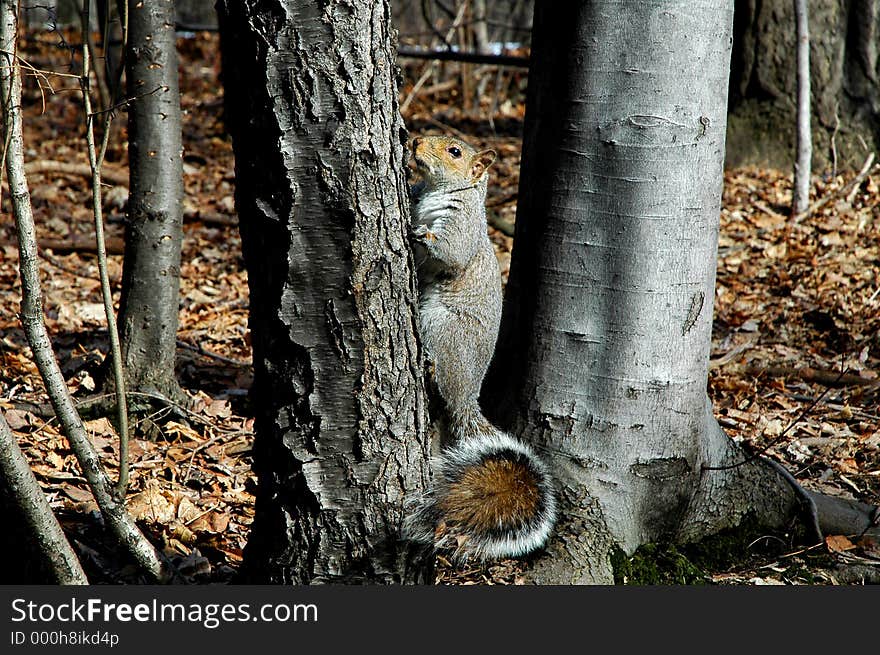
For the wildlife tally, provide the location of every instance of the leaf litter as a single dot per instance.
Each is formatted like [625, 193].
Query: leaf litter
[797, 315]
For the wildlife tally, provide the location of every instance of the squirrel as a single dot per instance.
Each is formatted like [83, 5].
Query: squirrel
[493, 497]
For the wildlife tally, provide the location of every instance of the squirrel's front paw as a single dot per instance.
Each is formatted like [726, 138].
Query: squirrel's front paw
[421, 233]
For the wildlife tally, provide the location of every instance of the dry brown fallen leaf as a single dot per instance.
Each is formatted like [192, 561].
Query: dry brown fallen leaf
[837, 543]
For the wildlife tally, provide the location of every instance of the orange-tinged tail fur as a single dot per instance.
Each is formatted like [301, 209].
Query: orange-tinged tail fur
[492, 498]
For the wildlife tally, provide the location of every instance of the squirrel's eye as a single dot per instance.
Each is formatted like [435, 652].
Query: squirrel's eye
[454, 151]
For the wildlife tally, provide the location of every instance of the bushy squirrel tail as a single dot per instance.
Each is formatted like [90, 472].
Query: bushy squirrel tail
[493, 497]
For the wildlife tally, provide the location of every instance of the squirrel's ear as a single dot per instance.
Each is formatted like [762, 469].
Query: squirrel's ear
[480, 162]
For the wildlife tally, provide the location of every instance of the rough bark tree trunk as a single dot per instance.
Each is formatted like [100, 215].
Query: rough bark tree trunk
[606, 333]
[311, 98]
[151, 274]
[844, 77]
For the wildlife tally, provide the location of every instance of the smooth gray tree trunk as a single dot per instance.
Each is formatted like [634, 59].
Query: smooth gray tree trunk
[606, 333]
[311, 99]
[804, 140]
[151, 273]
[480, 26]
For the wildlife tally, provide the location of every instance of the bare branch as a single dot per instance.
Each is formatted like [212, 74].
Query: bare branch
[95, 161]
[117, 519]
[466, 57]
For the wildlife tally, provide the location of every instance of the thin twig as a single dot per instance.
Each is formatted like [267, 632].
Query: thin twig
[429, 69]
[759, 453]
[95, 161]
[810, 374]
[207, 353]
[201, 447]
[448, 128]
[844, 190]
[465, 57]
[70, 168]
[731, 354]
[89, 44]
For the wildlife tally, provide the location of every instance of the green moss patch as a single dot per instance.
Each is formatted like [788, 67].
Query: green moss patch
[747, 546]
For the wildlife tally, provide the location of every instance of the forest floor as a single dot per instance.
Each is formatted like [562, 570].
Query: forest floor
[795, 351]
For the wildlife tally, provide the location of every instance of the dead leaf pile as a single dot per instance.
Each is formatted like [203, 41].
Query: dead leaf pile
[797, 315]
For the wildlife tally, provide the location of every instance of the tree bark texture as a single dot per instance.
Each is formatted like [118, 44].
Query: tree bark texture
[17, 479]
[151, 273]
[844, 71]
[606, 332]
[311, 98]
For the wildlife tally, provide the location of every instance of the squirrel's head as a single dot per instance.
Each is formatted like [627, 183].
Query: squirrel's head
[445, 161]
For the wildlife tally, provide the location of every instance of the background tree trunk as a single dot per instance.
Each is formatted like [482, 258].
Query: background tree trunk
[844, 78]
[109, 15]
[151, 273]
[323, 206]
[606, 332]
[196, 14]
[803, 138]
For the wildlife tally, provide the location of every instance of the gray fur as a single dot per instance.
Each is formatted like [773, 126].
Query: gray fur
[459, 316]
[459, 294]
